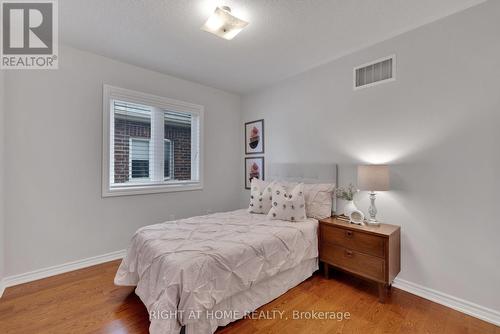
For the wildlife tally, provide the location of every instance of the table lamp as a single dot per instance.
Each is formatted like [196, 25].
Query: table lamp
[373, 178]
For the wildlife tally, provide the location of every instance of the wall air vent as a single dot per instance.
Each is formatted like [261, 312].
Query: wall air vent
[374, 73]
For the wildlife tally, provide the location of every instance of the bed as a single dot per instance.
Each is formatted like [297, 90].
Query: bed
[207, 271]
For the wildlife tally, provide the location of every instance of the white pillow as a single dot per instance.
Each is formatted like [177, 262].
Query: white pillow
[260, 196]
[288, 203]
[318, 198]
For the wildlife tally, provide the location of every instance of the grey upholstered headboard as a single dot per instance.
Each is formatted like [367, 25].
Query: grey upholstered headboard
[304, 172]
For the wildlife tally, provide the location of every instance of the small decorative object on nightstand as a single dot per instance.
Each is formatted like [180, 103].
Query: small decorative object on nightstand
[365, 251]
[357, 217]
[373, 178]
[347, 194]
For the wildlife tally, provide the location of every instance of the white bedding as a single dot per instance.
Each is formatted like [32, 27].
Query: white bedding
[195, 265]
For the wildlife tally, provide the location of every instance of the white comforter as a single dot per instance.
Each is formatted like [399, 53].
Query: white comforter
[188, 266]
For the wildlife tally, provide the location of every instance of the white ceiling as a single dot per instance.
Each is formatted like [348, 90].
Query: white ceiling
[284, 37]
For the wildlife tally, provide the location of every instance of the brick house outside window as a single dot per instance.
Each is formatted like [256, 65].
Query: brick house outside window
[177, 157]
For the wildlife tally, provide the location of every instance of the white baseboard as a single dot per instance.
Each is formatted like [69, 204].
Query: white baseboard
[455, 303]
[59, 269]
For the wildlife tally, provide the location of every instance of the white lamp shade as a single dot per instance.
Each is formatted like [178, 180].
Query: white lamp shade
[373, 177]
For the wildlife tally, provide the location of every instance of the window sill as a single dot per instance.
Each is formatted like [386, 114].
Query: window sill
[150, 189]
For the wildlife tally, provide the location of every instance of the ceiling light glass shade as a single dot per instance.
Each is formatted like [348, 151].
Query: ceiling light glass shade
[223, 24]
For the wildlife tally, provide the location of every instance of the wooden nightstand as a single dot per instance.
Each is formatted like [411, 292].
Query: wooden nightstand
[372, 253]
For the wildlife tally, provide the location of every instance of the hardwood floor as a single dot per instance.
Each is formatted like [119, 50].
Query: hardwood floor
[86, 301]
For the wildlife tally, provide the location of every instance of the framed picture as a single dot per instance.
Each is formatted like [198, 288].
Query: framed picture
[254, 137]
[254, 168]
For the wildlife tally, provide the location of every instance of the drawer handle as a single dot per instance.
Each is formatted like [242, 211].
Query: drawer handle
[348, 234]
[348, 253]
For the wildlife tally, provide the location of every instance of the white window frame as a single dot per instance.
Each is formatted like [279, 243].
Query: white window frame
[110, 94]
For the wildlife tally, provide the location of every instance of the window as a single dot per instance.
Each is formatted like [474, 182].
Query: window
[150, 144]
[168, 165]
[139, 159]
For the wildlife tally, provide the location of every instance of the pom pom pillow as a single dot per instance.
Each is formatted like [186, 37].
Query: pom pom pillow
[260, 196]
[287, 203]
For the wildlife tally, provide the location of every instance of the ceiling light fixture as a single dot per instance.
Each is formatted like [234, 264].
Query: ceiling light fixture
[224, 24]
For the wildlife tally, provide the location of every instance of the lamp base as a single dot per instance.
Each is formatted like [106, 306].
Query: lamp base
[372, 222]
[372, 210]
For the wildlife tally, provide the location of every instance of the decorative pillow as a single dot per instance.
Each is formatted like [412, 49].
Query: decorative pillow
[260, 196]
[318, 198]
[288, 203]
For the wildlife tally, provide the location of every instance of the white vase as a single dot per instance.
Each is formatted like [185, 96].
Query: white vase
[349, 208]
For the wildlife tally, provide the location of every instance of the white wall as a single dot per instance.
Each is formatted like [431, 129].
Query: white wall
[437, 125]
[54, 210]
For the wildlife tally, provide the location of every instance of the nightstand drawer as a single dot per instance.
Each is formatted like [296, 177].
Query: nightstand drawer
[359, 241]
[362, 264]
